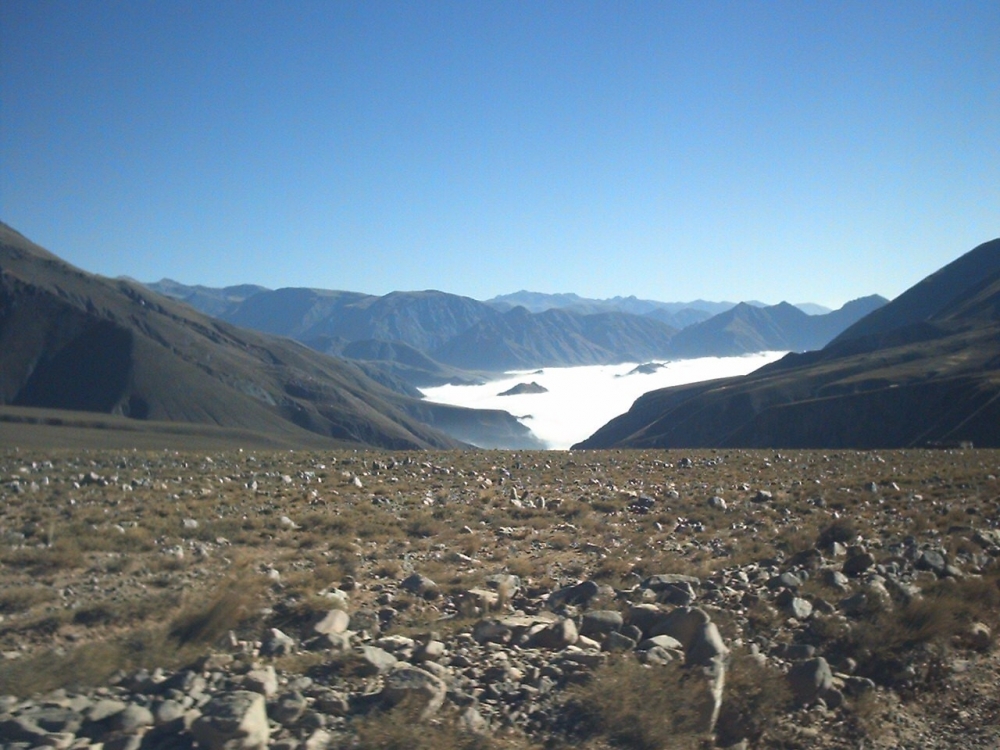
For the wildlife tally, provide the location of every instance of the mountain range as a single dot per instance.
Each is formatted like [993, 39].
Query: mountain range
[922, 370]
[76, 341]
[430, 337]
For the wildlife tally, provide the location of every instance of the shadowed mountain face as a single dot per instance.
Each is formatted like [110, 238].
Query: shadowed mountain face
[783, 327]
[921, 370]
[72, 340]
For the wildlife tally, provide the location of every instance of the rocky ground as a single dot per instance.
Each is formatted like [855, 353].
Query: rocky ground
[498, 599]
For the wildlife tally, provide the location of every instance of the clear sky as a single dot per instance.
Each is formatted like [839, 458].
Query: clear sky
[806, 151]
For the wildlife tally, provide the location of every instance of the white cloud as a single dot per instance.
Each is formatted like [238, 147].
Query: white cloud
[582, 399]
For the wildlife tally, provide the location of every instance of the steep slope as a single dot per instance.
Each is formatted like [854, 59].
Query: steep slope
[521, 340]
[72, 340]
[922, 301]
[924, 369]
[746, 328]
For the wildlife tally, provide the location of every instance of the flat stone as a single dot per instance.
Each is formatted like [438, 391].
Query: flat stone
[376, 661]
[601, 622]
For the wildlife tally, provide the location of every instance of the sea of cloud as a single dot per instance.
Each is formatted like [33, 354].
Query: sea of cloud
[582, 399]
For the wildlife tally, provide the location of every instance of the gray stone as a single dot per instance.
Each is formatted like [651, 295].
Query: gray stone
[287, 707]
[277, 643]
[430, 651]
[263, 680]
[707, 646]
[319, 739]
[471, 721]
[420, 585]
[167, 711]
[661, 641]
[417, 685]
[601, 622]
[931, 560]
[556, 636]
[578, 594]
[835, 579]
[375, 660]
[615, 641]
[808, 679]
[132, 718]
[103, 709]
[233, 721]
[683, 623]
[335, 621]
[800, 609]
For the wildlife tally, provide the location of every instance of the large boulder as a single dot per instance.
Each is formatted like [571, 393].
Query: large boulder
[809, 680]
[233, 721]
[417, 687]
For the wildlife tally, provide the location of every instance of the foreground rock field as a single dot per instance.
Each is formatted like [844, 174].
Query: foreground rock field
[644, 599]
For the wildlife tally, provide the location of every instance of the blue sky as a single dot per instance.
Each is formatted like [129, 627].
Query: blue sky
[807, 151]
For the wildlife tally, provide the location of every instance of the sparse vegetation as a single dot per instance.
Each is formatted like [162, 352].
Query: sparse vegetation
[125, 560]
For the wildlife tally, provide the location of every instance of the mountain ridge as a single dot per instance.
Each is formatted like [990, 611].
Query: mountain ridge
[74, 340]
[922, 370]
[459, 332]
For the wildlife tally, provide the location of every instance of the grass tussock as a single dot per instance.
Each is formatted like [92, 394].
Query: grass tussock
[401, 729]
[205, 622]
[198, 626]
[938, 619]
[755, 696]
[22, 598]
[629, 705]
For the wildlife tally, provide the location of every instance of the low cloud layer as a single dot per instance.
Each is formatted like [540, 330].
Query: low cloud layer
[579, 400]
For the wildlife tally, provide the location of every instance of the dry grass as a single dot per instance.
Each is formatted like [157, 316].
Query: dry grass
[629, 705]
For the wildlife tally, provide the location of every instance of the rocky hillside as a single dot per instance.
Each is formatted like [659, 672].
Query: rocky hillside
[924, 369]
[72, 340]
